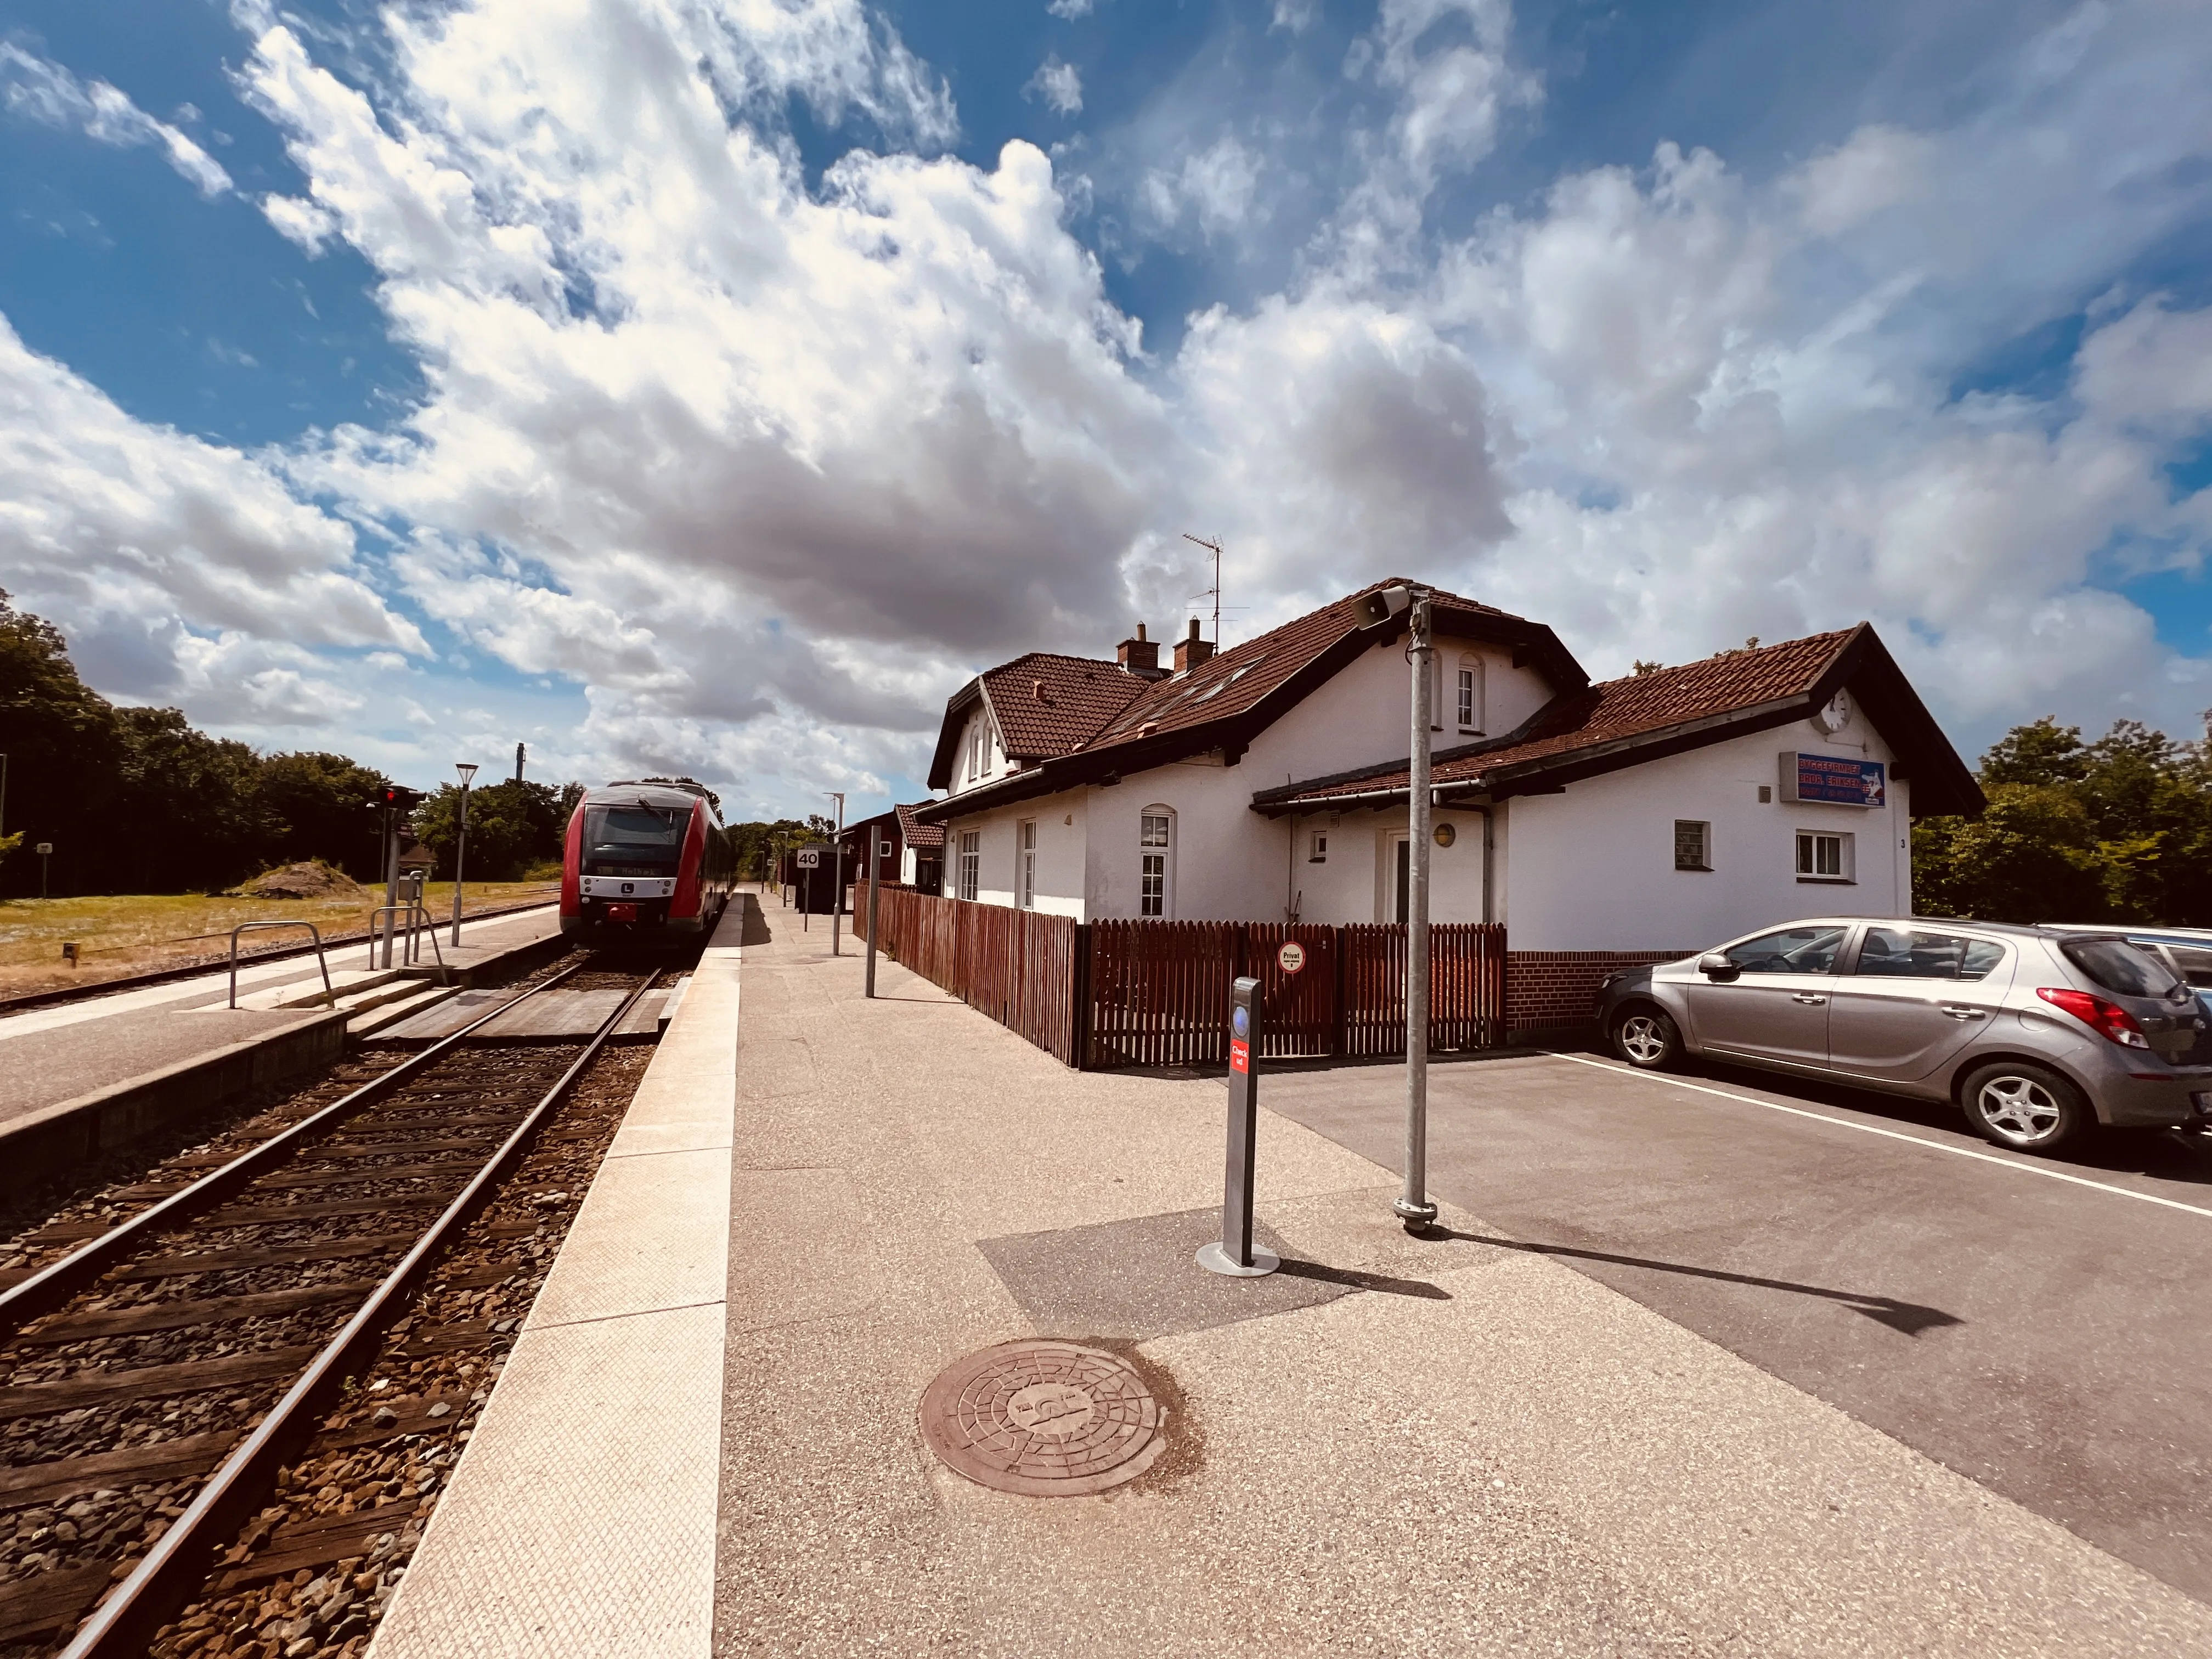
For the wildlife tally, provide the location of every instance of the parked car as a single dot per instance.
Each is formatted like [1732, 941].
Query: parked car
[2186, 950]
[2036, 1033]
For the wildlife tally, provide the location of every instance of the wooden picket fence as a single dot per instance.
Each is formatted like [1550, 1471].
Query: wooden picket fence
[1020, 966]
[1109, 993]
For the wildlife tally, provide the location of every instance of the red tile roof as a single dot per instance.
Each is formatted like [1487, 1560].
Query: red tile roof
[1134, 723]
[1615, 712]
[921, 836]
[1048, 705]
[1233, 681]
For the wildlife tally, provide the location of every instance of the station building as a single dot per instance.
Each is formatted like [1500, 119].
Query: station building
[1634, 819]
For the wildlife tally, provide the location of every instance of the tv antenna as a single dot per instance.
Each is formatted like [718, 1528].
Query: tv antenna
[1215, 592]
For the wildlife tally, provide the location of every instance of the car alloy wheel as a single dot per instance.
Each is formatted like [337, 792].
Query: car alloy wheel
[1645, 1038]
[2019, 1110]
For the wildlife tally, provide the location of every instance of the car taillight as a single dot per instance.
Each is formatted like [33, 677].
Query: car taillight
[2108, 1019]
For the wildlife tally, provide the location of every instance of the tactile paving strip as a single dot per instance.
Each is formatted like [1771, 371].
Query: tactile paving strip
[1048, 1419]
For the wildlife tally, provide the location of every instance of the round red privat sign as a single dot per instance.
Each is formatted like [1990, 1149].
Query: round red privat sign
[1291, 957]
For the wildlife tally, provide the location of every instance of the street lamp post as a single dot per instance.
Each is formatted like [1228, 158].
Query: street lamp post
[1414, 1208]
[837, 872]
[468, 771]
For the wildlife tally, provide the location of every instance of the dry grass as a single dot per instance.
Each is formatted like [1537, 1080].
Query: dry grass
[135, 933]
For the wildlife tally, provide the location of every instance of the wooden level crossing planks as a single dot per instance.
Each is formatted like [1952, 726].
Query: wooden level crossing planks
[549, 1017]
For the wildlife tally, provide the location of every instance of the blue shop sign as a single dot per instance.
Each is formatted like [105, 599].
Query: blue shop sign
[1833, 779]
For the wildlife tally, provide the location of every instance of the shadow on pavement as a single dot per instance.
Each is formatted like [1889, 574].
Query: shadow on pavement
[1353, 1280]
[755, 926]
[1908, 1317]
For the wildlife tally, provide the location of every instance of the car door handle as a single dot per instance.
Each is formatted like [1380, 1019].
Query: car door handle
[1807, 998]
[1958, 1012]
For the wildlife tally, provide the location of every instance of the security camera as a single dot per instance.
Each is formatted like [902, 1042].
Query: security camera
[1384, 603]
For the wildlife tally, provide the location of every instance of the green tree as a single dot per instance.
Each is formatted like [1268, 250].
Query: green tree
[2030, 857]
[316, 807]
[2040, 752]
[512, 826]
[60, 738]
[2119, 830]
[754, 843]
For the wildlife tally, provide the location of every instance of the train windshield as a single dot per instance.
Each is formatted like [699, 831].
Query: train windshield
[634, 834]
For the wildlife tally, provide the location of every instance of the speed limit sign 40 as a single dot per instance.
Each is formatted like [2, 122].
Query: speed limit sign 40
[1291, 957]
[810, 858]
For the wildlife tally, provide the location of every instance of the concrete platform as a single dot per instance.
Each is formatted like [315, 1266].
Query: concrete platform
[1398, 1446]
[85, 1076]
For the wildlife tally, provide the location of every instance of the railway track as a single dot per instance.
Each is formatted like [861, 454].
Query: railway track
[168, 1379]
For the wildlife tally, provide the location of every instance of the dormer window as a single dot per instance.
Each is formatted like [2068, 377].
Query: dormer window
[975, 749]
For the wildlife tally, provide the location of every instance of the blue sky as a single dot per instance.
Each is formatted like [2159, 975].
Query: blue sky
[667, 394]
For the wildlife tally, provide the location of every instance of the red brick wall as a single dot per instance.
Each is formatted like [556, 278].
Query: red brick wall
[1550, 992]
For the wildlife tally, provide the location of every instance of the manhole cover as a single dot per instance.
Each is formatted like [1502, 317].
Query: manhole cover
[1046, 1419]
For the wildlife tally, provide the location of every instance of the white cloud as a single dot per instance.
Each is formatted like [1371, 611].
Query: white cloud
[1069, 10]
[1219, 184]
[723, 450]
[1448, 60]
[1058, 84]
[164, 556]
[38, 89]
[766, 466]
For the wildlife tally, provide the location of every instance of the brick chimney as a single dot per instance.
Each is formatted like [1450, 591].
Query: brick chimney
[1192, 651]
[1140, 656]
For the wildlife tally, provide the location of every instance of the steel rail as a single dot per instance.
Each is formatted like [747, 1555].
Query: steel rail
[127, 1620]
[46, 1288]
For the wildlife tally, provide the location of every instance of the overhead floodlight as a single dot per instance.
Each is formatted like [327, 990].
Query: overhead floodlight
[1384, 603]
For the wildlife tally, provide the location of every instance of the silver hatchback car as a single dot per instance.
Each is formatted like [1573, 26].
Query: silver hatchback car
[2034, 1032]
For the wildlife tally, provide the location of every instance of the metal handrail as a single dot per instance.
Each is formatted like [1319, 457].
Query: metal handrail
[330, 1000]
[415, 930]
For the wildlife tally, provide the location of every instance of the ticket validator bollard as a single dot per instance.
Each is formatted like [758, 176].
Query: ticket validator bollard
[1235, 1254]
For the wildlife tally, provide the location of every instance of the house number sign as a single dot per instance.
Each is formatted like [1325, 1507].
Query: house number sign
[1291, 957]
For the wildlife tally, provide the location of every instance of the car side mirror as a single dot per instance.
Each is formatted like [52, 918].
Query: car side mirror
[1714, 965]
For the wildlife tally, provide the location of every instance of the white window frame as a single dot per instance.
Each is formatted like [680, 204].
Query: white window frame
[975, 749]
[971, 864]
[1025, 863]
[1705, 829]
[1469, 691]
[1155, 863]
[1318, 847]
[1826, 857]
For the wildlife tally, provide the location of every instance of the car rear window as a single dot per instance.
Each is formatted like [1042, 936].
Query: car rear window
[2120, 966]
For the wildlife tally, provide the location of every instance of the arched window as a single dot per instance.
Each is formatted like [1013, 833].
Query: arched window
[1468, 693]
[1156, 861]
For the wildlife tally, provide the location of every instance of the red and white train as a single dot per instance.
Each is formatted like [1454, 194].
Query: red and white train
[645, 860]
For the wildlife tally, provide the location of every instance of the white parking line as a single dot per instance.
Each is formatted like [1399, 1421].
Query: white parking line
[1672, 1082]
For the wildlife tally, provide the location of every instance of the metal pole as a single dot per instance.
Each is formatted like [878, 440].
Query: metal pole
[1235, 1255]
[876, 851]
[1414, 1208]
[3, 794]
[391, 878]
[837, 872]
[461, 849]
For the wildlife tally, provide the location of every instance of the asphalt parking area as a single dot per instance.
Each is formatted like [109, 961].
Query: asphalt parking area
[2045, 1336]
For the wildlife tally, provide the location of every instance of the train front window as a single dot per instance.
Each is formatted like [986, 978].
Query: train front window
[633, 836]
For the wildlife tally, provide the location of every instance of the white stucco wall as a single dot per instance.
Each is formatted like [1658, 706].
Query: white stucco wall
[1593, 869]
